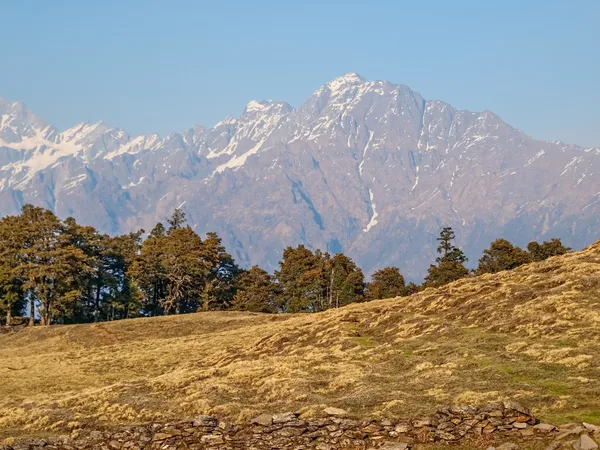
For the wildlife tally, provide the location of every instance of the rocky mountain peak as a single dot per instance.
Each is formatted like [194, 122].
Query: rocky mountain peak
[370, 168]
[340, 83]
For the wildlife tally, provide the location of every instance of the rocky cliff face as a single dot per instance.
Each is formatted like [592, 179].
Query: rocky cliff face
[368, 168]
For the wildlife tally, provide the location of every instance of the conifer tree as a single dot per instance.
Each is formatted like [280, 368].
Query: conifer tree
[148, 272]
[554, 247]
[219, 285]
[11, 286]
[450, 264]
[300, 280]
[49, 264]
[177, 219]
[386, 283]
[501, 255]
[256, 291]
[347, 282]
[185, 272]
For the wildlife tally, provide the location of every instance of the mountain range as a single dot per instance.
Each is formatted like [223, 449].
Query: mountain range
[369, 168]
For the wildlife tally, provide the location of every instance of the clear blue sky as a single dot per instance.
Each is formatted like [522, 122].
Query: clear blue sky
[163, 66]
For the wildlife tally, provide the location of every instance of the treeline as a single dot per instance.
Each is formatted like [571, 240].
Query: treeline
[55, 271]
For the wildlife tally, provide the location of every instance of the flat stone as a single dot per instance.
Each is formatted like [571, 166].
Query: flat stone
[402, 428]
[338, 412]
[508, 446]
[554, 446]
[445, 436]
[544, 427]
[527, 432]
[395, 446]
[519, 425]
[420, 423]
[585, 443]
[517, 407]
[212, 439]
[265, 420]
[522, 419]
[161, 436]
[205, 421]
[591, 427]
[567, 433]
[284, 417]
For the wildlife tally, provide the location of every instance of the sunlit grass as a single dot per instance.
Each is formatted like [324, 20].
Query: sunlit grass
[532, 334]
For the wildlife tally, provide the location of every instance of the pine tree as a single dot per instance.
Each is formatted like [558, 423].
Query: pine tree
[91, 281]
[219, 285]
[256, 291]
[149, 274]
[547, 249]
[185, 272]
[49, 265]
[386, 283]
[501, 255]
[122, 252]
[177, 220]
[300, 279]
[347, 282]
[12, 297]
[451, 261]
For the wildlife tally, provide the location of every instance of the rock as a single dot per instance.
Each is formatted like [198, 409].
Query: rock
[95, 435]
[568, 433]
[420, 423]
[544, 427]
[161, 436]
[517, 407]
[114, 445]
[527, 432]
[445, 436]
[206, 421]
[585, 443]
[492, 407]
[265, 420]
[592, 428]
[285, 417]
[570, 426]
[522, 419]
[553, 446]
[395, 446]
[212, 439]
[402, 427]
[508, 446]
[519, 425]
[338, 412]
[372, 428]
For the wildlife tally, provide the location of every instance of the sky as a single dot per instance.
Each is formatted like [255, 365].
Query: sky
[162, 66]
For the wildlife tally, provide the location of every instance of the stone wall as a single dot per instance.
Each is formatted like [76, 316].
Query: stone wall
[508, 422]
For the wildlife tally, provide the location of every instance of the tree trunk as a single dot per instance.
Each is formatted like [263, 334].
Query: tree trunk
[8, 316]
[331, 288]
[31, 311]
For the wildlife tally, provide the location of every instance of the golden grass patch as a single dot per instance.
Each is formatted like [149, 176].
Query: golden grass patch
[532, 334]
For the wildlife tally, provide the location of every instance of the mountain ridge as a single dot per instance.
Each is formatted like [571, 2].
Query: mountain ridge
[370, 168]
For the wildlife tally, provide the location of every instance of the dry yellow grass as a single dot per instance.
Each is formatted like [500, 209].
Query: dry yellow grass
[532, 334]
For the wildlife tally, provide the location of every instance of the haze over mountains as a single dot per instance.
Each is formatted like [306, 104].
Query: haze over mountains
[368, 168]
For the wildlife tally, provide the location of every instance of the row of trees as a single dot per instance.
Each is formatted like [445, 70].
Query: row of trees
[501, 255]
[64, 272]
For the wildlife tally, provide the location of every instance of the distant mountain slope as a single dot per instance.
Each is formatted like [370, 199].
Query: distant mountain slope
[531, 334]
[368, 168]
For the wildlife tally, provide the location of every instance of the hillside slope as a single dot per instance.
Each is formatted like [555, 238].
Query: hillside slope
[532, 334]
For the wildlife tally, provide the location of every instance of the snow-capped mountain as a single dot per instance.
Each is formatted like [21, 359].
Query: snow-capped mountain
[365, 167]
